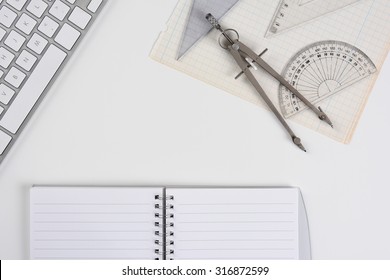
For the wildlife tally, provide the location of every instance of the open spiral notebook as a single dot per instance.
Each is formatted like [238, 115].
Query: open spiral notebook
[167, 223]
[362, 24]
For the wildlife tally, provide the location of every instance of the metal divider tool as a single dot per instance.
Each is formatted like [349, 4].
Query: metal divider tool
[246, 58]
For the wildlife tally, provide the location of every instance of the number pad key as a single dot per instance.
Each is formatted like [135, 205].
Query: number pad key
[5, 139]
[59, 10]
[5, 94]
[37, 7]
[2, 33]
[67, 36]
[14, 40]
[48, 27]
[26, 60]
[7, 17]
[6, 57]
[26, 24]
[17, 4]
[80, 18]
[15, 77]
[94, 5]
[37, 43]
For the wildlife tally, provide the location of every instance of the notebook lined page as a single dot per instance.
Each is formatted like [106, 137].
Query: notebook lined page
[92, 223]
[235, 223]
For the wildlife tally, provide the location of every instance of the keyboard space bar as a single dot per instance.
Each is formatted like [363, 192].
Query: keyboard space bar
[33, 88]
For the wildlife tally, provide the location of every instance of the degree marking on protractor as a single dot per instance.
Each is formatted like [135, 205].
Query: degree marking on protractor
[291, 13]
[322, 70]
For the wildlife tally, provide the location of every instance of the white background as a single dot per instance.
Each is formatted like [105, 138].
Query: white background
[278, 270]
[118, 118]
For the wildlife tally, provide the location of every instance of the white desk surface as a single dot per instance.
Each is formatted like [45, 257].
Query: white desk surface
[115, 117]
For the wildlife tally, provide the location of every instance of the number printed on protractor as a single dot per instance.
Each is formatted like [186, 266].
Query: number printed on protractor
[322, 70]
[292, 13]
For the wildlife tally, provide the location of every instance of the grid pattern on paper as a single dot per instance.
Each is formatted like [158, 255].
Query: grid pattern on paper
[365, 24]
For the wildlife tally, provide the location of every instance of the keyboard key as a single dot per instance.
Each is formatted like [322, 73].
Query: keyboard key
[80, 18]
[2, 33]
[26, 24]
[59, 10]
[37, 43]
[17, 4]
[14, 40]
[7, 17]
[48, 27]
[94, 5]
[6, 57]
[15, 77]
[26, 60]
[33, 88]
[67, 36]
[37, 7]
[5, 139]
[5, 94]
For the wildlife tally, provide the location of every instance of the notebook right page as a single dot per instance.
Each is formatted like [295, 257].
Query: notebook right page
[230, 223]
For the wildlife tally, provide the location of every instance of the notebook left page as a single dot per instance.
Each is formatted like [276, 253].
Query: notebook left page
[92, 222]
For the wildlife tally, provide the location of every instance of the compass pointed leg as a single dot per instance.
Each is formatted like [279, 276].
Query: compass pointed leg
[297, 141]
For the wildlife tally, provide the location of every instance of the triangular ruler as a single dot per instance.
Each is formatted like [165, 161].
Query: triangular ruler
[198, 26]
[291, 13]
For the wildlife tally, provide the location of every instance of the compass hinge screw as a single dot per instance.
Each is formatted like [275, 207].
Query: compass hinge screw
[250, 64]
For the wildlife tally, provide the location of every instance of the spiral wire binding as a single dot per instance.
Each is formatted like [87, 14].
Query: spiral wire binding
[164, 227]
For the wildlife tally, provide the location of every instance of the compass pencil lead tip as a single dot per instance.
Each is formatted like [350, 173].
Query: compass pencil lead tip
[297, 141]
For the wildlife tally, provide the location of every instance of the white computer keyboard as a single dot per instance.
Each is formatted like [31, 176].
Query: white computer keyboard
[37, 38]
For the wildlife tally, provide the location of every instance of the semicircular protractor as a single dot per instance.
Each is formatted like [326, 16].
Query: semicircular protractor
[321, 70]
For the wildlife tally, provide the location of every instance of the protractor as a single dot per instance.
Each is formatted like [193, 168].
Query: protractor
[321, 70]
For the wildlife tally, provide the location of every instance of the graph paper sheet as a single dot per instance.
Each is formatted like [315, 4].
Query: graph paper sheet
[364, 24]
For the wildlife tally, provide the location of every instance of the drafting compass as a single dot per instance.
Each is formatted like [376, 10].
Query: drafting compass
[246, 59]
